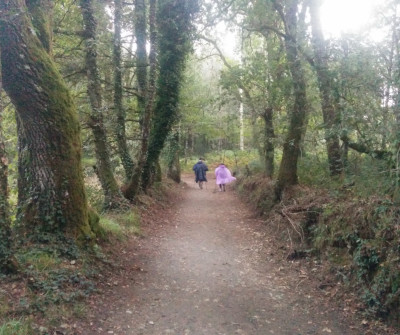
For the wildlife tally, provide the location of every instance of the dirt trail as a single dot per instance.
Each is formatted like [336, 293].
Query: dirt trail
[210, 269]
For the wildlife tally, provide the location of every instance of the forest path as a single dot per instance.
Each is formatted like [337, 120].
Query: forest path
[207, 268]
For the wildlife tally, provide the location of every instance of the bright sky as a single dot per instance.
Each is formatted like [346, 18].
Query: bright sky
[337, 17]
[345, 16]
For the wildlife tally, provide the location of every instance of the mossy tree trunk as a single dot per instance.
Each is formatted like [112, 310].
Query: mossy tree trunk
[174, 27]
[133, 187]
[6, 243]
[291, 149]
[123, 151]
[42, 19]
[112, 195]
[324, 78]
[54, 199]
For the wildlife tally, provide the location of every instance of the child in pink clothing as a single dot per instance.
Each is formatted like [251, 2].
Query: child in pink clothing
[223, 176]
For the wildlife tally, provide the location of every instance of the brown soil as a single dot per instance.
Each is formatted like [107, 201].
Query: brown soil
[207, 266]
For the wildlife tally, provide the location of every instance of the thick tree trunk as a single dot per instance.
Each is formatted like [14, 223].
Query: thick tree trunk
[123, 151]
[50, 152]
[6, 243]
[291, 148]
[269, 148]
[112, 195]
[330, 114]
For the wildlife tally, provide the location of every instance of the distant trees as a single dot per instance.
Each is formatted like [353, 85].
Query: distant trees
[338, 94]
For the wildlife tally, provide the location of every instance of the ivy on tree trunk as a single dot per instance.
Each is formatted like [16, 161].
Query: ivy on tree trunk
[174, 27]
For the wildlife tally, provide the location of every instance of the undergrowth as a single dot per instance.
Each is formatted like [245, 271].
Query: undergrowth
[56, 277]
[352, 224]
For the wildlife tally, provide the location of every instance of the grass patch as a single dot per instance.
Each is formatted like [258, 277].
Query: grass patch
[38, 260]
[16, 327]
[120, 224]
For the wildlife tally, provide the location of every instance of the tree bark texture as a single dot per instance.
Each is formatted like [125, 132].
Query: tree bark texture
[5, 230]
[133, 187]
[41, 16]
[291, 149]
[174, 27]
[269, 148]
[54, 198]
[173, 164]
[123, 151]
[141, 53]
[112, 195]
[330, 114]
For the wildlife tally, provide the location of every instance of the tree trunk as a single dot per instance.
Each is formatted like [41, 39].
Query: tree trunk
[50, 152]
[6, 242]
[330, 114]
[173, 164]
[241, 121]
[42, 19]
[134, 184]
[112, 195]
[123, 151]
[141, 54]
[291, 148]
[269, 148]
[174, 19]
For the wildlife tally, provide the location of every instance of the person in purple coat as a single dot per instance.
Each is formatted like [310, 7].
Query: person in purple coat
[223, 176]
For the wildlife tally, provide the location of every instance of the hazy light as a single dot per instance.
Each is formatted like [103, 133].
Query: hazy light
[345, 16]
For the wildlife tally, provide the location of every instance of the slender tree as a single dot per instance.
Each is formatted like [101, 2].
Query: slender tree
[112, 195]
[123, 151]
[291, 149]
[269, 146]
[133, 187]
[324, 78]
[52, 198]
[141, 53]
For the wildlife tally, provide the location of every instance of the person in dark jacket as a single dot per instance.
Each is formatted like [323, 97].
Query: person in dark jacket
[200, 172]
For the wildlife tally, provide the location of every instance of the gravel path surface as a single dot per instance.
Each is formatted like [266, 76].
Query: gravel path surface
[208, 268]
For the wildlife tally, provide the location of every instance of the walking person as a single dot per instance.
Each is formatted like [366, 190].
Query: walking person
[223, 176]
[200, 169]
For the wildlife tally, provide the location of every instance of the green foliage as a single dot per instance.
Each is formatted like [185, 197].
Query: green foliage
[16, 327]
[38, 260]
[119, 225]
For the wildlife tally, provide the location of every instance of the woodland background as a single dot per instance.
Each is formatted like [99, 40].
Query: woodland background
[100, 99]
